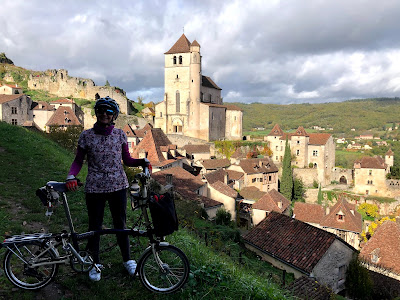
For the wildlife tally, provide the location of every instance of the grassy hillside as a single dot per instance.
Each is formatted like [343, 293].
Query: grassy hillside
[28, 160]
[342, 116]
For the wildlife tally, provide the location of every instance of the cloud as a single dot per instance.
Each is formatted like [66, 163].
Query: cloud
[256, 51]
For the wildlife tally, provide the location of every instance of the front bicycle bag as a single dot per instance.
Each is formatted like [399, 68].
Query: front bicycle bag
[163, 214]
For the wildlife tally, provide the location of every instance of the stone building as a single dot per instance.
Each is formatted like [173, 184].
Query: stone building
[16, 109]
[370, 175]
[310, 150]
[9, 89]
[192, 104]
[301, 249]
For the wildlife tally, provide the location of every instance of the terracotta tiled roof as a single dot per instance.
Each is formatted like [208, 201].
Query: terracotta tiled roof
[63, 116]
[269, 202]
[319, 138]
[183, 181]
[310, 289]
[153, 142]
[232, 107]
[128, 131]
[42, 105]
[292, 241]
[251, 192]
[217, 175]
[385, 244]
[207, 202]
[6, 98]
[190, 149]
[208, 82]
[63, 101]
[182, 45]
[13, 86]
[239, 153]
[140, 133]
[224, 189]
[309, 213]
[276, 131]
[351, 222]
[258, 165]
[389, 153]
[375, 162]
[300, 132]
[212, 164]
[234, 175]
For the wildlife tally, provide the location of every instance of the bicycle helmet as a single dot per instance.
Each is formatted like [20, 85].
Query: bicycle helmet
[108, 103]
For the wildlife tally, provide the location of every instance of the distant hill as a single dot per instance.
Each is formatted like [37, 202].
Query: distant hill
[361, 114]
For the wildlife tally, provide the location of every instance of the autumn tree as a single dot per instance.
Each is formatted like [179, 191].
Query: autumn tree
[287, 174]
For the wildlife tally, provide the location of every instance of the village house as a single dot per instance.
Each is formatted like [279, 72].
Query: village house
[197, 152]
[370, 174]
[381, 252]
[258, 172]
[310, 150]
[271, 201]
[209, 165]
[135, 136]
[157, 148]
[342, 219]
[15, 109]
[189, 187]
[63, 117]
[301, 249]
[8, 89]
[219, 189]
[192, 104]
[148, 113]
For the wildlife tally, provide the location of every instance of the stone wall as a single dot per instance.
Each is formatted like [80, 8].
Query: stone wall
[308, 176]
[339, 173]
[58, 82]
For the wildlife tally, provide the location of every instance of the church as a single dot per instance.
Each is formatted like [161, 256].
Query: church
[192, 104]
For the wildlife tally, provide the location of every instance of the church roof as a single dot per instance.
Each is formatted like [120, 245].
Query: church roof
[276, 131]
[182, 45]
[208, 82]
[195, 43]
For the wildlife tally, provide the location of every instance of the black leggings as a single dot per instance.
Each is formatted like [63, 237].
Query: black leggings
[95, 203]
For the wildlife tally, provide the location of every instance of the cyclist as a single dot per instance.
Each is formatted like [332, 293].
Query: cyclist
[105, 147]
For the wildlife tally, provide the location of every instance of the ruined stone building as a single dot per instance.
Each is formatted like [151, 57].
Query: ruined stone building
[192, 104]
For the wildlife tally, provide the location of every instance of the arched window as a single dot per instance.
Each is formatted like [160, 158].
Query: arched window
[180, 59]
[178, 102]
[174, 60]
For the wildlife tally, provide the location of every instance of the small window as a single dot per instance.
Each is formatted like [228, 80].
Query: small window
[298, 142]
[276, 147]
[253, 180]
[297, 152]
[276, 158]
[14, 122]
[370, 172]
[13, 110]
[174, 60]
[180, 59]
[315, 153]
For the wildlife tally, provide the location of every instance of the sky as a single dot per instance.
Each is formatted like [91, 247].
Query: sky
[282, 52]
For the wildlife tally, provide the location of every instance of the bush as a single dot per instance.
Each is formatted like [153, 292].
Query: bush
[358, 283]
[315, 184]
[223, 217]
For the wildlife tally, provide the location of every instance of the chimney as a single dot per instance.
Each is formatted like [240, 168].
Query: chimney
[169, 179]
[226, 177]
[327, 210]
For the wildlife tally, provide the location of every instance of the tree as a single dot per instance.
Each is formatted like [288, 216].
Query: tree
[298, 190]
[358, 282]
[320, 195]
[287, 174]
[140, 100]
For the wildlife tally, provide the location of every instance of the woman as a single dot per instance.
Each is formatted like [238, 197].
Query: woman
[105, 147]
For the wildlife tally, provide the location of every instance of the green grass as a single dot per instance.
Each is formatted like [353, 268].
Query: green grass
[28, 160]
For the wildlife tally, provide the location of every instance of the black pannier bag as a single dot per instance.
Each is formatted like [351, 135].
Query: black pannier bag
[163, 214]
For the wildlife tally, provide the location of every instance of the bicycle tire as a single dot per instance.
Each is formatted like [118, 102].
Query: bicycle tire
[171, 277]
[23, 276]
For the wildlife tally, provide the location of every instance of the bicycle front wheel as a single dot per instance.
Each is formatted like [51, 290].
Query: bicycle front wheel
[19, 269]
[164, 271]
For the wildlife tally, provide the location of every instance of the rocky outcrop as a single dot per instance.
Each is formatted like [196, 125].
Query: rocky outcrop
[4, 59]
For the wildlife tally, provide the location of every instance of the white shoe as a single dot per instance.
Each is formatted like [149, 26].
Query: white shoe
[95, 275]
[130, 266]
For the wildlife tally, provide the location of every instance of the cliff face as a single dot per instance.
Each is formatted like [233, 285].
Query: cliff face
[4, 59]
[58, 82]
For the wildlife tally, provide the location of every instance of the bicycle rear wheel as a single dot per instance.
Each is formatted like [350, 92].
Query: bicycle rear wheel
[18, 265]
[166, 271]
